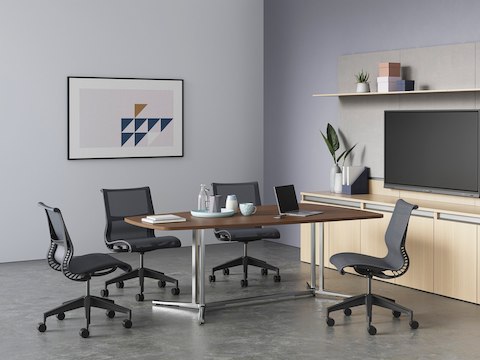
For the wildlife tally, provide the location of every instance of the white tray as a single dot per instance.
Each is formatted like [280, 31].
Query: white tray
[205, 214]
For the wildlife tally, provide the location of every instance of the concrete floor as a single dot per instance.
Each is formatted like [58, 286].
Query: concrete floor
[292, 329]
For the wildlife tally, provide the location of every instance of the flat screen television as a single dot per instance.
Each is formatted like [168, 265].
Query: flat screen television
[433, 151]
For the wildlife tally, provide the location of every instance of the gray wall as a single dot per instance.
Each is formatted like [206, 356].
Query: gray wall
[303, 40]
[216, 46]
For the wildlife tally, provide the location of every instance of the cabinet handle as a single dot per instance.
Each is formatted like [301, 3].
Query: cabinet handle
[386, 208]
[346, 203]
[459, 218]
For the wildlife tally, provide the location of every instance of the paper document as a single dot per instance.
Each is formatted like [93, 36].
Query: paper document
[166, 218]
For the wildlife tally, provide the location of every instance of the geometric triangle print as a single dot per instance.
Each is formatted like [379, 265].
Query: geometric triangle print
[125, 137]
[139, 108]
[138, 123]
[151, 123]
[126, 122]
[165, 122]
[139, 137]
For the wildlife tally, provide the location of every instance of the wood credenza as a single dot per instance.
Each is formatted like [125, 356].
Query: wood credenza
[442, 239]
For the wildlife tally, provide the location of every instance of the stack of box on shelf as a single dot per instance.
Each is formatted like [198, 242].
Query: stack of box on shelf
[388, 75]
[389, 78]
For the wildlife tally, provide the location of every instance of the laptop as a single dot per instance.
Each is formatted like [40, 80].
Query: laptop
[287, 202]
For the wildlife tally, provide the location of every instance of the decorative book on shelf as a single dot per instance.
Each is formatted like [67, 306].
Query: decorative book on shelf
[166, 218]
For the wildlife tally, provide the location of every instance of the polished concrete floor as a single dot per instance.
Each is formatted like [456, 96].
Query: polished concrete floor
[291, 329]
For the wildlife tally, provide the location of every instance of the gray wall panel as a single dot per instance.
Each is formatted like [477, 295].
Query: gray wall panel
[216, 46]
[303, 41]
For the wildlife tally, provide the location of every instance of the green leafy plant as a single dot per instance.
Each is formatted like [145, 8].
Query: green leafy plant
[362, 76]
[333, 144]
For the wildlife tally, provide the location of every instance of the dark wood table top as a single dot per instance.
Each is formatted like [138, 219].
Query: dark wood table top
[264, 216]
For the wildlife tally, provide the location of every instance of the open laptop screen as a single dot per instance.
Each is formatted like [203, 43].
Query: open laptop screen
[286, 198]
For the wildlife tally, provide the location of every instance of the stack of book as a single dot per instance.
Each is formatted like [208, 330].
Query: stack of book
[166, 218]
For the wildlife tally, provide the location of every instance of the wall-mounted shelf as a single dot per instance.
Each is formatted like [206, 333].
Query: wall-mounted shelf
[398, 93]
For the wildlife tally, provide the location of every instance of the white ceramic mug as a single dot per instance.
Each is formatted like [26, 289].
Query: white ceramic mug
[248, 209]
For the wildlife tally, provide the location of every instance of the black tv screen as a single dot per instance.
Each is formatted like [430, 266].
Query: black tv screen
[432, 151]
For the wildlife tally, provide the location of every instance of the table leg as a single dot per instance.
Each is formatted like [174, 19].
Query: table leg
[201, 269]
[313, 251]
[198, 286]
[321, 283]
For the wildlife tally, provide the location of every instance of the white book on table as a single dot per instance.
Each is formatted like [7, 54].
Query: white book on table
[165, 218]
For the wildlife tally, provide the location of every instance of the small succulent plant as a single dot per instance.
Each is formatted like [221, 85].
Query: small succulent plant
[362, 76]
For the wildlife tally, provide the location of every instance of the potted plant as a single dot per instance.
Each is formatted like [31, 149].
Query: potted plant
[362, 82]
[333, 145]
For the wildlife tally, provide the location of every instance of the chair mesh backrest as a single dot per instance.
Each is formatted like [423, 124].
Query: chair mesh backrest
[120, 203]
[245, 192]
[395, 236]
[60, 251]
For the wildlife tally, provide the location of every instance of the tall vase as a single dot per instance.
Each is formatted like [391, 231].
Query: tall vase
[335, 169]
[338, 183]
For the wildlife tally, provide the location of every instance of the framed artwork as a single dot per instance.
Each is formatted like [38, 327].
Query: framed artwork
[124, 118]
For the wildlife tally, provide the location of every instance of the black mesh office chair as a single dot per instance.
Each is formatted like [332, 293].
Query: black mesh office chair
[245, 192]
[393, 265]
[122, 237]
[79, 268]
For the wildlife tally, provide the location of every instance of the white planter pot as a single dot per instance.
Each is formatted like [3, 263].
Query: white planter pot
[363, 87]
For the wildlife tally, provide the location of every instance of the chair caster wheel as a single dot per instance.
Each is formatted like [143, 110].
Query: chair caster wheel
[120, 285]
[162, 283]
[414, 324]
[175, 291]
[226, 271]
[244, 283]
[42, 327]
[372, 330]
[104, 293]
[139, 297]
[211, 278]
[396, 314]
[61, 316]
[84, 333]
[347, 312]
[277, 278]
[330, 321]
[264, 271]
[127, 323]
[110, 314]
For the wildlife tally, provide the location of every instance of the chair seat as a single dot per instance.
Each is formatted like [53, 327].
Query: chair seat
[245, 235]
[91, 263]
[363, 264]
[151, 243]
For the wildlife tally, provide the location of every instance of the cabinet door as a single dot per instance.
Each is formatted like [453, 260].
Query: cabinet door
[455, 259]
[305, 242]
[339, 236]
[373, 237]
[478, 267]
[419, 245]
[342, 236]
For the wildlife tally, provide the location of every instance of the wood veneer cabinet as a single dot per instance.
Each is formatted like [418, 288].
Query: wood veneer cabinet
[455, 259]
[442, 239]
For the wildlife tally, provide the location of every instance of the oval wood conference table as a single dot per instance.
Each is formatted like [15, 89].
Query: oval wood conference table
[265, 215]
